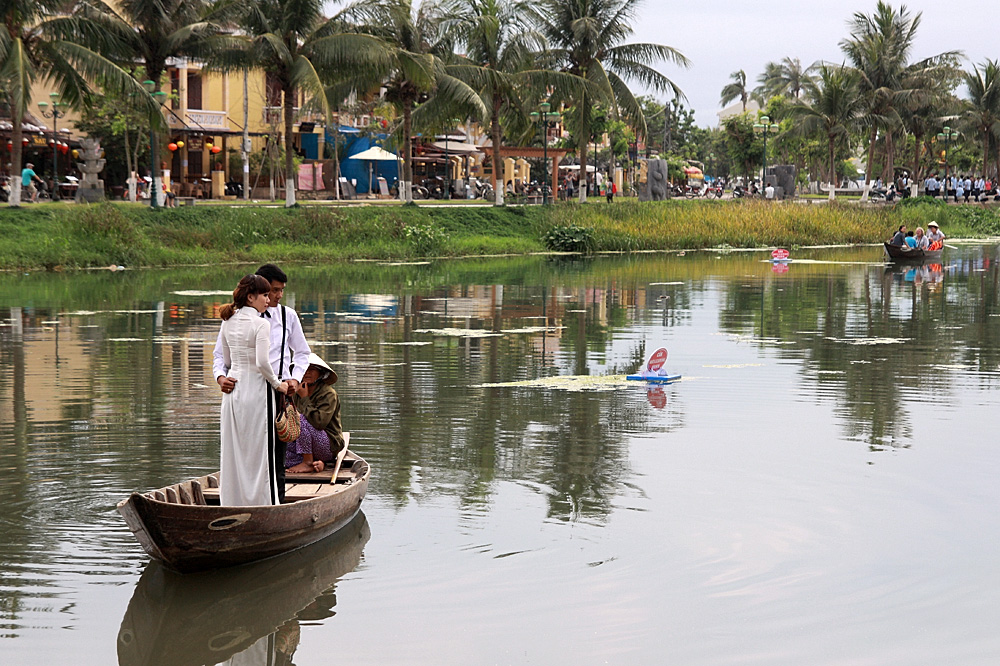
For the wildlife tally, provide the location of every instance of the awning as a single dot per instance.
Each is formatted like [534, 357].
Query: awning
[576, 167]
[456, 148]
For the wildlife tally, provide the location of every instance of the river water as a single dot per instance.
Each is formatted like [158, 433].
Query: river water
[820, 487]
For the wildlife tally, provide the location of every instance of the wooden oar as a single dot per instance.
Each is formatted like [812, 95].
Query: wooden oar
[340, 458]
[950, 246]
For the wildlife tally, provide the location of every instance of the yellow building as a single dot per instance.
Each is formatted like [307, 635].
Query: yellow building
[205, 110]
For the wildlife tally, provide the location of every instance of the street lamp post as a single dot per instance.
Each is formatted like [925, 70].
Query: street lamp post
[58, 111]
[545, 118]
[154, 189]
[947, 134]
[765, 127]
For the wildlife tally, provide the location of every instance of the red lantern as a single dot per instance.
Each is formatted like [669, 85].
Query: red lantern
[216, 150]
[172, 146]
[64, 149]
[24, 141]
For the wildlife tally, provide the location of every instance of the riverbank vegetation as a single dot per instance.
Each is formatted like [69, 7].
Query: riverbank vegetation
[69, 236]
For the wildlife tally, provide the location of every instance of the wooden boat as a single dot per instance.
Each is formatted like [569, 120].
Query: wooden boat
[206, 618]
[907, 254]
[183, 525]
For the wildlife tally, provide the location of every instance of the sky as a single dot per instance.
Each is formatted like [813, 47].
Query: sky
[720, 37]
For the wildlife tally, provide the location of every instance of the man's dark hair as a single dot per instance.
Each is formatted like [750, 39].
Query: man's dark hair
[272, 273]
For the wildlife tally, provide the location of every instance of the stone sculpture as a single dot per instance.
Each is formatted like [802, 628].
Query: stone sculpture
[91, 187]
[656, 186]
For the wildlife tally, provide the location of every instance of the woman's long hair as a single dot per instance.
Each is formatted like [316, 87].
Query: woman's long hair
[251, 285]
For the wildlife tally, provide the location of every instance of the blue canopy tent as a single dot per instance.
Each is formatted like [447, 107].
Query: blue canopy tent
[358, 170]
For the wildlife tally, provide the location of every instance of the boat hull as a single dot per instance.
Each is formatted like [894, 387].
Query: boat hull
[900, 254]
[199, 537]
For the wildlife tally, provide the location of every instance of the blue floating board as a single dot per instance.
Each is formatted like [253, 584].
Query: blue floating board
[654, 380]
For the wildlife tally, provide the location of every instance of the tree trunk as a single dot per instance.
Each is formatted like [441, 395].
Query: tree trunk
[496, 137]
[17, 134]
[406, 182]
[131, 171]
[868, 167]
[833, 169]
[582, 142]
[986, 150]
[289, 100]
[244, 153]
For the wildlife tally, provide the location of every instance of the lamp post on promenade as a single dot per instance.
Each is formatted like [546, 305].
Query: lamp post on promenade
[545, 118]
[154, 189]
[765, 127]
[58, 111]
[947, 134]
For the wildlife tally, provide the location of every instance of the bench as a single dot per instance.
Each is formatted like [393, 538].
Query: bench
[187, 201]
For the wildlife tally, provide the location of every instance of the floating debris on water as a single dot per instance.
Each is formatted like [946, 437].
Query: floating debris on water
[460, 332]
[663, 284]
[736, 365]
[534, 329]
[866, 342]
[569, 383]
[416, 343]
[405, 263]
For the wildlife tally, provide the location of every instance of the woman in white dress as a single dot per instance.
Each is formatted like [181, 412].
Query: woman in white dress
[248, 477]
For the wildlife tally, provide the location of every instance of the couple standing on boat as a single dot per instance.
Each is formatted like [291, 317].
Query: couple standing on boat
[261, 353]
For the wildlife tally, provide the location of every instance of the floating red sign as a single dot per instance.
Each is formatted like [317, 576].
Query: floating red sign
[780, 253]
[657, 360]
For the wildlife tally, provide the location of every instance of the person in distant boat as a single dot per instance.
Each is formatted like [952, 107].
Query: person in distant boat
[289, 353]
[911, 242]
[935, 237]
[899, 239]
[321, 437]
[921, 239]
[248, 476]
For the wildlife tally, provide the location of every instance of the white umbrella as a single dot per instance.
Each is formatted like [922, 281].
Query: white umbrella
[373, 154]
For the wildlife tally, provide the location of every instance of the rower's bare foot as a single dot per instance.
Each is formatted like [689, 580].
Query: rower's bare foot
[301, 468]
[318, 465]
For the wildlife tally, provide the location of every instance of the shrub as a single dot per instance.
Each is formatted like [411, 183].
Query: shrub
[570, 238]
[425, 237]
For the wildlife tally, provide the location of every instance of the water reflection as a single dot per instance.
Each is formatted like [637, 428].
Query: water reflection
[109, 385]
[247, 615]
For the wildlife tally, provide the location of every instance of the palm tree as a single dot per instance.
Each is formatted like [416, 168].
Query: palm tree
[736, 90]
[786, 77]
[299, 48]
[420, 77]
[879, 48]
[39, 41]
[833, 109]
[152, 33]
[983, 106]
[504, 60]
[587, 39]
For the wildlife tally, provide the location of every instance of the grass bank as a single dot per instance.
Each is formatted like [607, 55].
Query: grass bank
[71, 236]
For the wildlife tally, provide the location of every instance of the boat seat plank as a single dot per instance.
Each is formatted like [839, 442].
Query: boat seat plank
[197, 493]
[171, 495]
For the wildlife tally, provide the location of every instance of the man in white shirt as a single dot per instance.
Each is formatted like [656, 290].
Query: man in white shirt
[769, 192]
[289, 353]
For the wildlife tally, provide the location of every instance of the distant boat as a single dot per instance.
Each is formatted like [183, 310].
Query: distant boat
[183, 526]
[909, 254]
